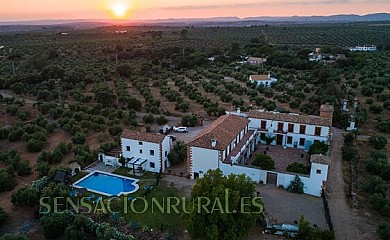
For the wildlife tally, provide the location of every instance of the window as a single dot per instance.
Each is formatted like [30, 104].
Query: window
[290, 127]
[301, 142]
[302, 129]
[263, 124]
[317, 131]
[166, 154]
[318, 171]
[140, 143]
[152, 165]
[151, 152]
[128, 148]
[289, 140]
[140, 151]
[280, 126]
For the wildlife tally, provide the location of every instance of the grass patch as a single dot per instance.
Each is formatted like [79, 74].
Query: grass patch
[154, 218]
[78, 176]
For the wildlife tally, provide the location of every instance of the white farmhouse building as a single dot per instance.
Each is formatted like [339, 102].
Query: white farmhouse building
[265, 80]
[363, 48]
[142, 151]
[229, 141]
[293, 130]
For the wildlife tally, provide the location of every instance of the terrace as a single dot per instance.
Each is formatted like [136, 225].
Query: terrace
[246, 145]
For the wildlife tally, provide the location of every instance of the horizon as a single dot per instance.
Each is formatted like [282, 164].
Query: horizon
[137, 10]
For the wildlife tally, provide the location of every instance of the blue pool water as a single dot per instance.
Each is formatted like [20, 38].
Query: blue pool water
[107, 184]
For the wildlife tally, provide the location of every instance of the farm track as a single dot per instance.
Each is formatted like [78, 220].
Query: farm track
[346, 221]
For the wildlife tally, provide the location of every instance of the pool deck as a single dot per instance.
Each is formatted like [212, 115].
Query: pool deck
[135, 183]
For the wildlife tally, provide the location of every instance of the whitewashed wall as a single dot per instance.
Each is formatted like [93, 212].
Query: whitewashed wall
[146, 147]
[203, 159]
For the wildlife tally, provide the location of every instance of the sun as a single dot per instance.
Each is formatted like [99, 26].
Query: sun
[120, 8]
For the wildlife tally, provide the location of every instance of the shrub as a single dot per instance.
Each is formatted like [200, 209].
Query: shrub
[378, 142]
[348, 139]
[34, 145]
[161, 120]
[376, 108]
[25, 196]
[264, 161]
[384, 231]
[7, 181]
[79, 138]
[189, 120]
[298, 168]
[54, 225]
[149, 119]
[43, 168]
[375, 185]
[348, 153]
[3, 216]
[9, 236]
[23, 168]
[296, 185]
[318, 148]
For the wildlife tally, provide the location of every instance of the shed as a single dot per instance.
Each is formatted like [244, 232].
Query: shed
[74, 167]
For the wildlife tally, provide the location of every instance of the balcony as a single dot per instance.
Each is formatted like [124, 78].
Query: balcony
[241, 147]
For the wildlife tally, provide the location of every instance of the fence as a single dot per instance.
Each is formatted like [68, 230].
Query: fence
[327, 212]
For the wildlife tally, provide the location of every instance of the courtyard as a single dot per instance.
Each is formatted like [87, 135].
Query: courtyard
[282, 206]
[282, 156]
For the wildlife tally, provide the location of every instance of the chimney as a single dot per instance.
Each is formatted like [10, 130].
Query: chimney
[213, 143]
[326, 111]
[238, 111]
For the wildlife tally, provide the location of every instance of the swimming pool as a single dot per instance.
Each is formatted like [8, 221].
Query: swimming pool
[107, 184]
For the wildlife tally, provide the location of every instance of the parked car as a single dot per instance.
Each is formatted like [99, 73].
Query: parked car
[180, 129]
[172, 137]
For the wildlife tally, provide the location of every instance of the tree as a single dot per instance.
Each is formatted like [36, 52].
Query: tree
[189, 120]
[375, 184]
[178, 153]
[184, 34]
[264, 161]
[9, 236]
[54, 224]
[161, 120]
[34, 145]
[23, 168]
[269, 139]
[378, 142]
[298, 168]
[209, 223]
[79, 138]
[3, 216]
[296, 185]
[318, 148]
[348, 139]
[149, 119]
[7, 181]
[25, 196]
[307, 232]
[43, 168]
[384, 231]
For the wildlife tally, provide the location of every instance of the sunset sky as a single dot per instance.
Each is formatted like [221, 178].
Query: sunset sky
[161, 9]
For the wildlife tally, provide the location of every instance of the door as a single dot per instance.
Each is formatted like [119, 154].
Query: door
[101, 158]
[279, 139]
[272, 178]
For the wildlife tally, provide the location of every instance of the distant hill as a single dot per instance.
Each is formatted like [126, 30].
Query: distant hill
[41, 25]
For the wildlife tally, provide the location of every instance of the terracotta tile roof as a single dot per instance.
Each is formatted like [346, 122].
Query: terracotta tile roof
[326, 108]
[293, 118]
[259, 77]
[143, 136]
[320, 158]
[225, 129]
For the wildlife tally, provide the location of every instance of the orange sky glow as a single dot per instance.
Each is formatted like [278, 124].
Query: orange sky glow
[161, 9]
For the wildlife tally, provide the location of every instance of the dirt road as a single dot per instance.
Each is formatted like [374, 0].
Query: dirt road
[347, 224]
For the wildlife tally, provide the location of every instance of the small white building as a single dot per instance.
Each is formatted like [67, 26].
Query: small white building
[265, 80]
[315, 57]
[291, 129]
[141, 151]
[363, 48]
[256, 60]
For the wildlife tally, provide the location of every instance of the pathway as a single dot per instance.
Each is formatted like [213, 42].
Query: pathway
[346, 222]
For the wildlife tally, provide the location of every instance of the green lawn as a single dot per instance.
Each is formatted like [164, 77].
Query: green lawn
[78, 176]
[153, 217]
